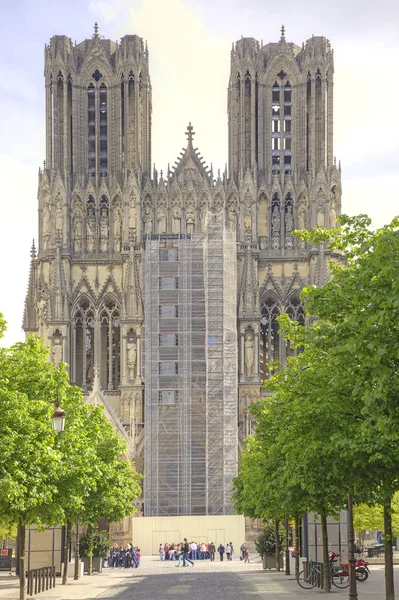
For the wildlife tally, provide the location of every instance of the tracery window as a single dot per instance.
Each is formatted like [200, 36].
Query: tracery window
[276, 129]
[110, 364]
[91, 123]
[269, 337]
[83, 344]
[97, 127]
[296, 312]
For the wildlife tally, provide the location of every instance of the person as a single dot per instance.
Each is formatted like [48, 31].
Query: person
[246, 555]
[160, 552]
[221, 551]
[166, 550]
[242, 549]
[186, 550]
[356, 548]
[203, 550]
[211, 550]
[138, 556]
[228, 551]
[193, 553]
[232, 550]
[171, 552]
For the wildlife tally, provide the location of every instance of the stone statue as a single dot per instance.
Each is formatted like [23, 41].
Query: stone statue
[131, 357]
[320, 218]
[276, 221]
[302, 216]
[190, 221]
[147, 219]
[57, 351]
[263, 242]
[233, 218]
[249, 354]
[132, 212]
[104, 230]
[161, 219]
[46, 217]
[333, 215]
[117, 228]
[176, 217]
[77, 230]
[91, 229]
[41, 311]
[289, 220]
[59, 217]
[203, 219]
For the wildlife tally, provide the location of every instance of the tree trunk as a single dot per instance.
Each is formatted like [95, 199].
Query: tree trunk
[21, 545]
[76, 551]
[351, 551]
[68, 534]
[389, 585]
[326, 562]
[90, 550]
[287, 549]
[276, 539]
[297, 547]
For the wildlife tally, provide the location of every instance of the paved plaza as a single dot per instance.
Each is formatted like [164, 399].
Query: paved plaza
[156, 580]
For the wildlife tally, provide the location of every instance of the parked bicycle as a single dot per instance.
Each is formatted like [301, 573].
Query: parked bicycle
[313, 575]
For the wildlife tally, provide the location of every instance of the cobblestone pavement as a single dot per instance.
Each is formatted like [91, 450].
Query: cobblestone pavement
[156, 580]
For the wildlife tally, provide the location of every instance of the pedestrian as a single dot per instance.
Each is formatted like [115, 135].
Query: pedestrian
[246, 555]
[232, 550]
[242, 549]
[221, 551]
[193, 553]
[160, 552]
[138, 556]
[186, 550]
[228, 551]
[212, 550]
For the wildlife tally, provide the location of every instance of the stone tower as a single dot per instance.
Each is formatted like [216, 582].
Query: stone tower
[280, 109]
[100, 206]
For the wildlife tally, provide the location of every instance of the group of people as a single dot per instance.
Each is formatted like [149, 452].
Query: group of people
[187, 552]
[126, 557]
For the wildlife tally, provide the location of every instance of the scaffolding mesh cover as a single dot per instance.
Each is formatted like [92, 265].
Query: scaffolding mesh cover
[191, 441]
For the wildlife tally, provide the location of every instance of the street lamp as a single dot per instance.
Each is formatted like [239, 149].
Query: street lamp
[58, 416]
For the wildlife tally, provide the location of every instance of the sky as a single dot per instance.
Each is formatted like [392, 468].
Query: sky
[189, 43]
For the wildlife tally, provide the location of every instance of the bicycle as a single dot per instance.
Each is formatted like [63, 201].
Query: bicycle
[309, 578]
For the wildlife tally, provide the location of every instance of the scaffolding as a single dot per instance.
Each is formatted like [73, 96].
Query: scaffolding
[190, 372]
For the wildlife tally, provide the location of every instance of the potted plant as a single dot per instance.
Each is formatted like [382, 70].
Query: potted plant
[265, 545]
[95, 544]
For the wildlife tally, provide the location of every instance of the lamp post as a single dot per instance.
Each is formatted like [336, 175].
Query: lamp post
[58, 416]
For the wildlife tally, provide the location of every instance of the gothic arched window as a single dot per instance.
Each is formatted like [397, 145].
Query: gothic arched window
[269, 337]
[103, 129]
[91, 132]
[296, 312]
[110, 363]
[276, 128]
[83, 341]
[287, 127]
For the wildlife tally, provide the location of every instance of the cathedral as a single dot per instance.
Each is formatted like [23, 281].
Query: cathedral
[161, 290]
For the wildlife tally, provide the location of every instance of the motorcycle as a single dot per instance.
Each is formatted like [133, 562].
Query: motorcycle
[362, 567]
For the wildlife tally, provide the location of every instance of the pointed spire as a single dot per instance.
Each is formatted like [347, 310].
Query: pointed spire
[190, 133]
[33, 250]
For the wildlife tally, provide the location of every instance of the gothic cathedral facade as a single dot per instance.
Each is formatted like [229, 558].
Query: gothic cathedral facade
[99, 199]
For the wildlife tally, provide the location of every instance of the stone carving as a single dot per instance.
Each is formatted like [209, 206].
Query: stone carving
[249, 353]
[56, 352]
[263, 242]
[104, 230]
[59, 216]
[289, 220]
[232, 216]
[333, 215]
[161, 220]
[90, 229]
[77, 226]
[276, 242]
[203, 219]
[190, 221]
[46, 217]
[276, 221]
[176, 219]
[320, 218]
[147, 219]
[248, 225]
[132, 212]
[131, 357]
[41, 311]
[117, 228]
[302, 216]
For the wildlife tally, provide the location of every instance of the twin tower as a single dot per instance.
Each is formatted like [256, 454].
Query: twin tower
[101, 204]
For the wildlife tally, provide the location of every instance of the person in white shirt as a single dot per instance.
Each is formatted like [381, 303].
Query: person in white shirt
[193, 547]
[202, 550]
[228, 551]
